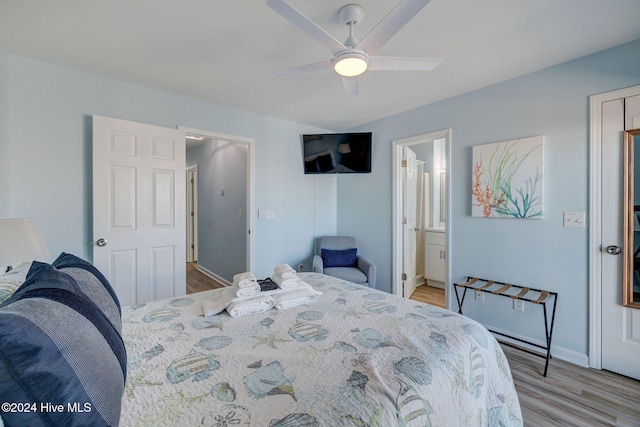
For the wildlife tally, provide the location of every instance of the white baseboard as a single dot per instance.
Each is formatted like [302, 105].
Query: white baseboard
[214, 276]
[557, 352]
[435, 283]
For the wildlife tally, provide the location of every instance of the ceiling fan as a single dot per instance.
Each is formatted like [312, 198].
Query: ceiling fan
[353, 57]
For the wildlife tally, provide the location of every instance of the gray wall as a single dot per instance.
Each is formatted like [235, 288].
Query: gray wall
[222, 231]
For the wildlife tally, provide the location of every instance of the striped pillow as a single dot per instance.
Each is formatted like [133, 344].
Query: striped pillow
[58, 347]
[93, 284]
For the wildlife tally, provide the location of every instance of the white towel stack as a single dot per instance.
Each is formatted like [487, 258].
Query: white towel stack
[285, 271]
[245, 285]
[245, 297]
[301, 295]
[226, 299]
[244, 280]
[243, 307]
[247, 291]
[285, 277]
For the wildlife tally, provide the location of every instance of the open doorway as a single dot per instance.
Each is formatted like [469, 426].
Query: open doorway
[220, 193]
[420, 212]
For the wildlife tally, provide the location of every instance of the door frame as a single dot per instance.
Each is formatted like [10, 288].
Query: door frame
[406, 231]
[396, 203]
[192, 206]
[250, 143]
[595, 219]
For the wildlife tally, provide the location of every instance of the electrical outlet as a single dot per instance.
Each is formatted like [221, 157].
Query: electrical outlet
[300, 267]
[479, 296]
[518, 305]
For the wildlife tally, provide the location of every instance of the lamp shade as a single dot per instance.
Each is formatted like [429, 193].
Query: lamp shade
[20, 241]
[344, 148]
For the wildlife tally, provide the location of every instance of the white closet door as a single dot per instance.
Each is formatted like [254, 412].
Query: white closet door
[620, 325]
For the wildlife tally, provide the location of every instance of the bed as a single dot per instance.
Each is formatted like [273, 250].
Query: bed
[353, 356]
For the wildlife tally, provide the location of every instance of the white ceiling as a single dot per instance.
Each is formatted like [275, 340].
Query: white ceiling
[224, 51]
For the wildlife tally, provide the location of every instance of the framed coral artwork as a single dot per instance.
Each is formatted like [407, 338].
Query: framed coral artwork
[507, 179]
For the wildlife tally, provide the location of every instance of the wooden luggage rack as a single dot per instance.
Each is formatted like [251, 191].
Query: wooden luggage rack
[537, 296]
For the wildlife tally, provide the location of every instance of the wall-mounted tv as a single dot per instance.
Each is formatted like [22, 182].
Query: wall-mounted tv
[337, 153]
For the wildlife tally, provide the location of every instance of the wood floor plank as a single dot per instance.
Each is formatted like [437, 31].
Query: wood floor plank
[429, 295]
[198, 281]
[572, 395]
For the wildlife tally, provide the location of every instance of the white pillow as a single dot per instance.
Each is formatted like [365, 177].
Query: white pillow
[12, 280]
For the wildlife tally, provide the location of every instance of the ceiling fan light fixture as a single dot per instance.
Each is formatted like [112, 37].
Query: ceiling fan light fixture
[350, 64]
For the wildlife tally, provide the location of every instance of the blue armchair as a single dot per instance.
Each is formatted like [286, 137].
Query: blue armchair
[337, 256]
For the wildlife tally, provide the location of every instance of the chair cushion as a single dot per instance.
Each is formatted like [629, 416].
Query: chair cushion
[350, 274]
[339, 258]
[59, 347]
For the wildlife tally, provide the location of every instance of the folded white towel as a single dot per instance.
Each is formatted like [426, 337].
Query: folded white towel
[244, 280]
[286, 283]
[247, 291]
[243, 307]
[285, 271]
[221, 301]
[283, 305]
[295, 297]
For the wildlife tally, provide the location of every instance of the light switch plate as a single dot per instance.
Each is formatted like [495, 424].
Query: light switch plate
[573, 219]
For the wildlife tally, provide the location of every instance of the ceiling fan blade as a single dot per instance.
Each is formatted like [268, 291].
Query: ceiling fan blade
[295, 17]
[305, 68]
[350, 85]
[390, 25]
[397, 63]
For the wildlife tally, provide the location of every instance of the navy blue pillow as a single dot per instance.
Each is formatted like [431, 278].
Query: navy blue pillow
[339, 258]
[57, 346]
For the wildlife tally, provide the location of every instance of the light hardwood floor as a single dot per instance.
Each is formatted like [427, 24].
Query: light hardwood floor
[429, 295]
[570, 395]
[198, 281]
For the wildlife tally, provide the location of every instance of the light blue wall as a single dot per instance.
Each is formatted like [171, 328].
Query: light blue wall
[50, 168]
[50, 145]
[553, 102]
[222, 194]
[4, 132]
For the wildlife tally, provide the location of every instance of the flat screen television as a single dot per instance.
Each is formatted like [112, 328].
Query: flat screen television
[337, 153]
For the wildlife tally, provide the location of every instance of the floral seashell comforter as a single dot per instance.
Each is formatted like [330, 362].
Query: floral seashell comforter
[352, 357]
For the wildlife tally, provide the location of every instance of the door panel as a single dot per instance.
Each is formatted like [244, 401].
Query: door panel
[138, 208]
[410, 225]
[620, 325]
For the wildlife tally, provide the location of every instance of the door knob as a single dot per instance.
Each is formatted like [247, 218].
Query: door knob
[102, 242]
[613, 250]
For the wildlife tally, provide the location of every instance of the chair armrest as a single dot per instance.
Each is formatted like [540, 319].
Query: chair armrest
[318, 266]
[368, 268]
